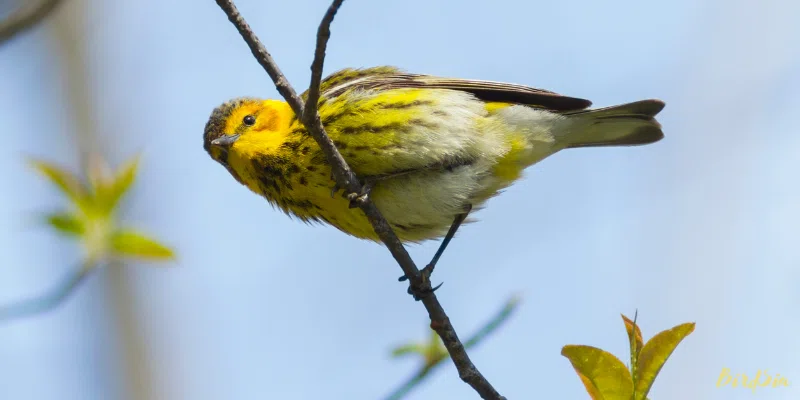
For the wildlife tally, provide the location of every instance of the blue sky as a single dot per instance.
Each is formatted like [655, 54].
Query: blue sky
[699, 227]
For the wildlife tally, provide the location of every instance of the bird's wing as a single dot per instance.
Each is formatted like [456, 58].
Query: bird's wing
[386, 78]
[390, 155]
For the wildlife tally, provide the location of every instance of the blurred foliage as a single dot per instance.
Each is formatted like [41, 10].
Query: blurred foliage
[607, 378]
[92, 219]
[432, 352]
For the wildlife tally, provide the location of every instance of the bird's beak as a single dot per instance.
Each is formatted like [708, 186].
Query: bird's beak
[225, 141]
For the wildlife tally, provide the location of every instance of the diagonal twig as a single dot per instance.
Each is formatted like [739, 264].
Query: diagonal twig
[345, 178]
[431, 364]
[410, 384]
[323, 34]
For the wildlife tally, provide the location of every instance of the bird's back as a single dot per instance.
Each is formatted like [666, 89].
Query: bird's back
[431, 151]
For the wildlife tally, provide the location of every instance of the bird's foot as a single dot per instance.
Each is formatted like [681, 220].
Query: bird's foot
[424, 290]
[357, 198]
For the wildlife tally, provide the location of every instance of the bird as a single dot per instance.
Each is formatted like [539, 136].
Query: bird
[430, 150]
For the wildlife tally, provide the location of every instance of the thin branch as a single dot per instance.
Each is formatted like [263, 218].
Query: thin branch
[494, 323]
[342, 173]
[345, 178]
[410, 384]
[46, 302]
[24, 17]
[323, 34]
[489, 327]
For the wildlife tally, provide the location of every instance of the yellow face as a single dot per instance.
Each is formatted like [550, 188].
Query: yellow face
[245, 126]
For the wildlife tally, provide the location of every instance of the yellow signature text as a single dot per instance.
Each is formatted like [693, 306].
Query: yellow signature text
[761, 379]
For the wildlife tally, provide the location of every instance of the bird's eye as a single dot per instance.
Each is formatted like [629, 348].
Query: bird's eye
[249, 120]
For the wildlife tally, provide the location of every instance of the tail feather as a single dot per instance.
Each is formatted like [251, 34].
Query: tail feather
[631, 124]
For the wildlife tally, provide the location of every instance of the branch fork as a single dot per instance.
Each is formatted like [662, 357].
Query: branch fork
[346, 179]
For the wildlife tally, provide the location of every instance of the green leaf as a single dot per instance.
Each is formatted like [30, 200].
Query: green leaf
[412, 348]
[634, 334]
[434, 350]
[133, 244]
[69, 184]
[655, 353]
[124, 179]
[109, 194]
[604, 375]
[66, 223]
[635, 342]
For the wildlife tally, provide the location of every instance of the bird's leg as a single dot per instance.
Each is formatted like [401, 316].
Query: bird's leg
[428, 270]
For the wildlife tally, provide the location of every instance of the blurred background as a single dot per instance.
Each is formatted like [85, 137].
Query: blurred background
[699, 227]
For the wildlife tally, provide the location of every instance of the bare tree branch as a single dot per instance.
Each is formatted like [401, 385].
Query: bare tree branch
[345, 178]
[323, 34]
[431, 364]
[25, 16]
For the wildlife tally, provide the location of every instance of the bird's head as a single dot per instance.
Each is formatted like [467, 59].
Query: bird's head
[244, 128]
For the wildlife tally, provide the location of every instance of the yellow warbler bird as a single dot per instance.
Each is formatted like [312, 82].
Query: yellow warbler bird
[430, 148]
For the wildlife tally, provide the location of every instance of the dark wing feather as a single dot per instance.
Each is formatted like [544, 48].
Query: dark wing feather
[386, 78]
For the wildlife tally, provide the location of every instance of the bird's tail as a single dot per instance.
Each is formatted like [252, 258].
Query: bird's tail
[630, 124]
